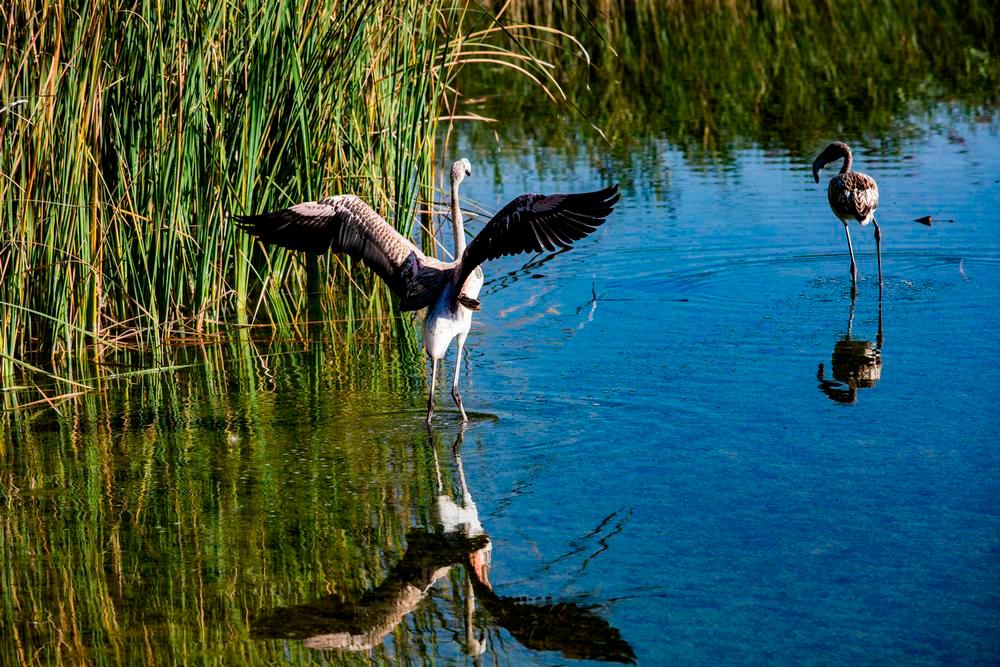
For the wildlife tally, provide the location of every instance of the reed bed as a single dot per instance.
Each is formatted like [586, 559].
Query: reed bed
[140, 127]
[131, 130]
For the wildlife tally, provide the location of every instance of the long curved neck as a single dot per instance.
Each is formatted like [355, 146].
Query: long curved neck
[456, 222]
[848, 160]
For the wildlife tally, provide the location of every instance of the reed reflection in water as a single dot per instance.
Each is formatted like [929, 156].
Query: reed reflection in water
[453, 543]
[160, 516]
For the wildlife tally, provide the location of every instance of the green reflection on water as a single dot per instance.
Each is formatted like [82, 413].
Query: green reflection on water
[248, 510]
[155, 517]
[711, 77]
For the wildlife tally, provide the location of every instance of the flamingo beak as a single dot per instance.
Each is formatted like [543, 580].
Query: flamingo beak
[818, 165]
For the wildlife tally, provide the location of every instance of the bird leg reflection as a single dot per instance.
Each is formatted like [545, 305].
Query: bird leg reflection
[474, 646]
[856, 364]
[850, 316]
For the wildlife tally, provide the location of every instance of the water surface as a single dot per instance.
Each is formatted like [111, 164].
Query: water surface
[657, 469]
[760, 512]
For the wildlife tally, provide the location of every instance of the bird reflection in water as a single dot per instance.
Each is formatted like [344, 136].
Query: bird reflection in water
[856, 364]
[455, 538]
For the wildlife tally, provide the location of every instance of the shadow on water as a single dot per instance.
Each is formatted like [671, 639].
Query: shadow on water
[454, 541]
[856, 363]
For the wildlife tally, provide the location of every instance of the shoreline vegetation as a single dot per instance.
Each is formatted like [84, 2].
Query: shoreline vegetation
[129, 132]
[170, 473]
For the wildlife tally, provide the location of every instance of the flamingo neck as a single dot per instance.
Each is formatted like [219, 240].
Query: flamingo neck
[848, 160]
[456, 222]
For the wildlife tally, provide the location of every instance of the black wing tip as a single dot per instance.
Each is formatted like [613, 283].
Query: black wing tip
[259, 224]
[244, 223]
[609, 196]
[597, 205]
[613, 194]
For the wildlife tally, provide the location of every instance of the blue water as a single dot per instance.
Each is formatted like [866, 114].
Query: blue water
[665, 449]
[656, 467]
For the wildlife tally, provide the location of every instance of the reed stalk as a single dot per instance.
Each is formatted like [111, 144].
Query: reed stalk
[131, 130]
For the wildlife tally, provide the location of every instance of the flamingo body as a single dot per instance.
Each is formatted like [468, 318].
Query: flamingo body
[449, 290]
[852, 196]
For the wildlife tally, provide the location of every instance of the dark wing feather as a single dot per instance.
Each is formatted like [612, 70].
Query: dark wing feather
[537, 223]
[853, 195]
[347, 224]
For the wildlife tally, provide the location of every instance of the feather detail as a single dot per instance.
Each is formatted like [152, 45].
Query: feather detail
[853, 196]
[345, 223]
[536, 223]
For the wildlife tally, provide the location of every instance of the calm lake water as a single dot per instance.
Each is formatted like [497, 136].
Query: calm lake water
[688, 446]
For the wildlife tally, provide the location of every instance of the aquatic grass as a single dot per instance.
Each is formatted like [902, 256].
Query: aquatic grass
[131, 131]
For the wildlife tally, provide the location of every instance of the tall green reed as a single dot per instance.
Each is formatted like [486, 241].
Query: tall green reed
[131, 130]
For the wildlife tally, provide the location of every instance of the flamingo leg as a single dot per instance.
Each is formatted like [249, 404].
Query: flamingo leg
[878, 251]
[430, 396]
[460, 343]
[854, 265]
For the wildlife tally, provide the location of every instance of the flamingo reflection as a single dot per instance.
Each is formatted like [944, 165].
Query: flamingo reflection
[856, 364]
[456, 537]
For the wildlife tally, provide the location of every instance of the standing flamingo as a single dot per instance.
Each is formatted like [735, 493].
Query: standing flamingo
[852, 196]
